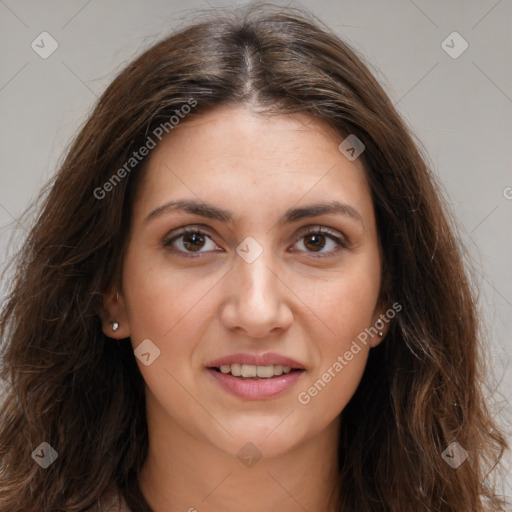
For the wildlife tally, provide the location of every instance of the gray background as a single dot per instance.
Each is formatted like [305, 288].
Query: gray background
[460, 109]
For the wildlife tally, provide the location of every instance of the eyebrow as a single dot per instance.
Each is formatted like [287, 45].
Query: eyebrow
[292, 215]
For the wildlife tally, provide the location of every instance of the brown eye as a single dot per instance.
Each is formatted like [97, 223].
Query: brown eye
[315, 240]
[193, 241]
[190, 241]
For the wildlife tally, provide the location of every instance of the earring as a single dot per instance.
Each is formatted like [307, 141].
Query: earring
[115, 326]
[381, 334]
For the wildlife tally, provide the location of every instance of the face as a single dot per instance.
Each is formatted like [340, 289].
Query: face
[265, 277]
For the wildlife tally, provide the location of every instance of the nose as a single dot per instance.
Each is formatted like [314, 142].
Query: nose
[257, 301]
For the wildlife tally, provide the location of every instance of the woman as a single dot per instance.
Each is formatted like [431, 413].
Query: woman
[244, 271]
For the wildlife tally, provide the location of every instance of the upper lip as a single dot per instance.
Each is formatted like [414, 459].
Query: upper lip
[266, 359]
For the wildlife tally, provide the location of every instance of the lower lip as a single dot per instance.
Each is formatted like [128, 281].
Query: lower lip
[256, 389]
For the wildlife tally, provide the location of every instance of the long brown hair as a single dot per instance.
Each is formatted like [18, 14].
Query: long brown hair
[69, 385]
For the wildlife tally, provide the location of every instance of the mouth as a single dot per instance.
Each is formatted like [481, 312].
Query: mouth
[255, 377]
[248, 365]
[250, 371]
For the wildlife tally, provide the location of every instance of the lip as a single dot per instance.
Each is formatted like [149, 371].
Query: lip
[266, 359]
[254, 388]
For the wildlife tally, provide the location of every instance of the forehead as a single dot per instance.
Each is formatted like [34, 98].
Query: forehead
[235, 154]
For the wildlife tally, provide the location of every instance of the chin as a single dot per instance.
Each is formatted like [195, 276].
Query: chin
[268, 434]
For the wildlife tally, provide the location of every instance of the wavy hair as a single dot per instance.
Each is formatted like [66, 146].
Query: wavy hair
[67, 384]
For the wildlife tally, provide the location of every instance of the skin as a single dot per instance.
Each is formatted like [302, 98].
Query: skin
[289, 300]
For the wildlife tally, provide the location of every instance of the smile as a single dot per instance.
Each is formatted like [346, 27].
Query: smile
[248, 371]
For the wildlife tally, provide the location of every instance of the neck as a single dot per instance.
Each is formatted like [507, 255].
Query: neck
[183, 473]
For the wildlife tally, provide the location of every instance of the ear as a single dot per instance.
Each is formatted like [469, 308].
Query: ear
[114, 311]
[380, 323]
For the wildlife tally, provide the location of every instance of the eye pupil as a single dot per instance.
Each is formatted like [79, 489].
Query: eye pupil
[318, 244]
[195, 237]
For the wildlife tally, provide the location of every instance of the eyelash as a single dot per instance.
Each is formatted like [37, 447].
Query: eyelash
[309, 230]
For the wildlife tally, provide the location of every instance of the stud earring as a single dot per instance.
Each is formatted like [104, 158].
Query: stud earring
[115, 326]
[381, 334]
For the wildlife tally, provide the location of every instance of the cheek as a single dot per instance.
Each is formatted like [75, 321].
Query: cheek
[173, 311]
[162, 302]
[346, 307]
[165, 307]
[346, 311]
[344, 302]
[321, 400]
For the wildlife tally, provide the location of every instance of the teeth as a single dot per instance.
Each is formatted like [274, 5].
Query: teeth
[250, 371]
[265, 371]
